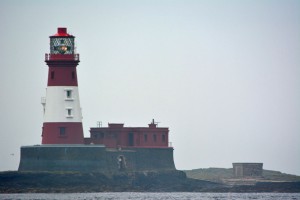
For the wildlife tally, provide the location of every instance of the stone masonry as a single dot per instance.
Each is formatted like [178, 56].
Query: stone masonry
[247, 170]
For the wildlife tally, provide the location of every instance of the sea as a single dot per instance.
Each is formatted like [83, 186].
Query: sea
[151, 196]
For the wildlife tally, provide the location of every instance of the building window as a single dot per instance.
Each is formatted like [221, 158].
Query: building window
[95, 135]
[52, 74]
[62, 131]
[73, 75]
[69, 94]
[145, 137]
[101, 135]
[154, 137]
[163, 138]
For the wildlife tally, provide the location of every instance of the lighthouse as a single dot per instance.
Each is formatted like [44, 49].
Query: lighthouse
[108, 149]
[62, 112]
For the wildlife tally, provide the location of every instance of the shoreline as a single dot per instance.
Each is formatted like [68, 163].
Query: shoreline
[146, 181]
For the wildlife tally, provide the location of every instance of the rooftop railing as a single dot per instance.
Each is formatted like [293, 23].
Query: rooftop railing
[49, 57]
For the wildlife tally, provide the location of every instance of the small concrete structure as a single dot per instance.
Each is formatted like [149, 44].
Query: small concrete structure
[247, 170]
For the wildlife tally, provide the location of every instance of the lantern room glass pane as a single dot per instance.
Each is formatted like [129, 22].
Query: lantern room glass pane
[63, 45]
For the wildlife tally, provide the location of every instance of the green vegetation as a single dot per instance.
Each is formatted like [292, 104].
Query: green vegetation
[209, 174]
[278, 176]
[217, 174]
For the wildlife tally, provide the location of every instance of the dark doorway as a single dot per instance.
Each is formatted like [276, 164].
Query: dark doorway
[130, 139]
[122, 163]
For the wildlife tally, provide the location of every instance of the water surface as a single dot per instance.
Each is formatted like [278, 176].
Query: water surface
[152, 196]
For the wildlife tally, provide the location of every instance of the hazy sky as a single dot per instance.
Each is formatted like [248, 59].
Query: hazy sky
[224, 76]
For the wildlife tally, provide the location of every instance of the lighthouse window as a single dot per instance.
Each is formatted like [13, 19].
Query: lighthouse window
[69, 112]
[145, 137]
[62, 130]
[52, 75]
[69, 93]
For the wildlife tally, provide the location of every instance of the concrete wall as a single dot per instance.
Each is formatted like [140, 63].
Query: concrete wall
[94, 158]
[247, 169]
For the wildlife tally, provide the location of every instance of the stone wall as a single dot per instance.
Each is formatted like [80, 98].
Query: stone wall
[247, 170]
[94, 158]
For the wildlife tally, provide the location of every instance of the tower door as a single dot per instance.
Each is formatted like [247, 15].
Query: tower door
[130, 139]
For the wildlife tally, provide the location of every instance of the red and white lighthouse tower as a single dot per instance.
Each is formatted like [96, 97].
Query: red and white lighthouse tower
[62, 111]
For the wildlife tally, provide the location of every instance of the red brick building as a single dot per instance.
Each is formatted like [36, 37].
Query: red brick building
[116, 136]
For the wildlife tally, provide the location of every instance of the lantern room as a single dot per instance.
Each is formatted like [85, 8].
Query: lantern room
[62, 42]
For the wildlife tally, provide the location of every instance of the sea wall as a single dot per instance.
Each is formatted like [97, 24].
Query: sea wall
[94, 158]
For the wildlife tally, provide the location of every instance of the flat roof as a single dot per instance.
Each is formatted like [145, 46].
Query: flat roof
[65, 145]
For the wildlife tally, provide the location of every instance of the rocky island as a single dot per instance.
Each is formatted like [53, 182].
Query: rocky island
[201, 180]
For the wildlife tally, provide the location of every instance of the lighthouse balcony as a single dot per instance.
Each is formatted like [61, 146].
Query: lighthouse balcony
[54, 57]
